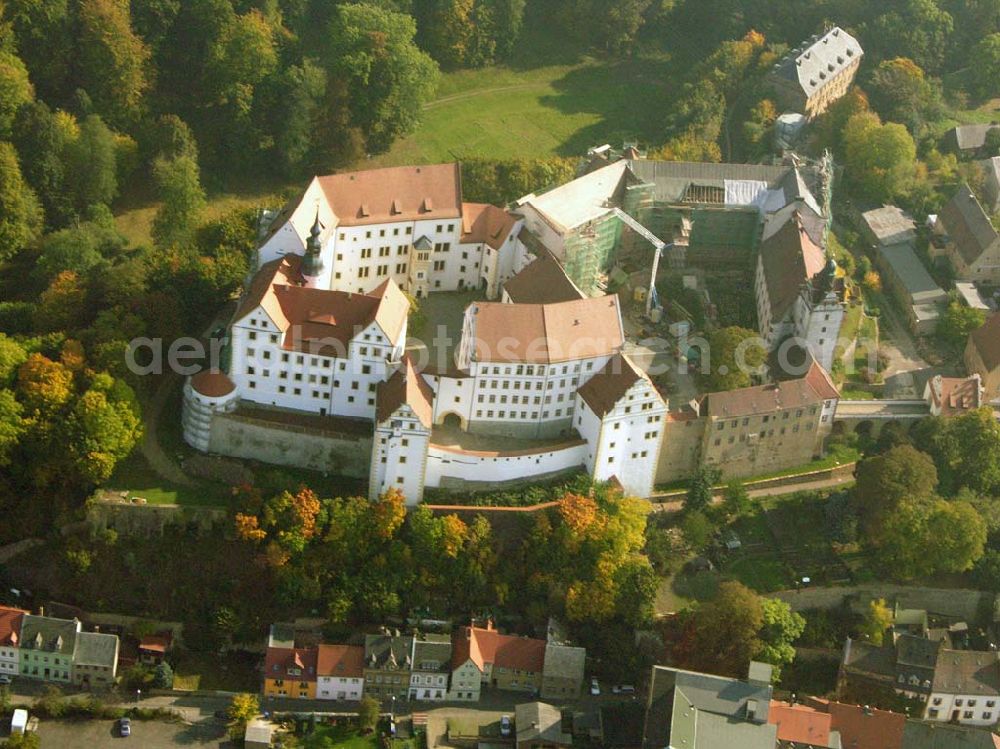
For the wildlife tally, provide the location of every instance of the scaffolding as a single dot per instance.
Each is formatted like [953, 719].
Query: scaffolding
[589, 251]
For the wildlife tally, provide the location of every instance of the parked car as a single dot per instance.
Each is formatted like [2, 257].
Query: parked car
[4, 680]
[623, 689]
[505, 727]
[124, 727]
[595, 688]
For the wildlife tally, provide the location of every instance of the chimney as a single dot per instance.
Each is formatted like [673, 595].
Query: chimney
[41, 611]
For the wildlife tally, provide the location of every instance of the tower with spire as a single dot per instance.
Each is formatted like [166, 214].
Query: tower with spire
[312, 262]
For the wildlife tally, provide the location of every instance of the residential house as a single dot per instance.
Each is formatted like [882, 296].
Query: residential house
[539, 726]
[918, 735]
[888, 225]
[95, 661]
[388, 665]
[10, 635]
[154, 648]
[290, 672]
[690, 710]
[862, 727]
[800, 295]
[969, 140]
[564, 665]
[340, 672]
[813, 76]
[801, 725]
[964, 234]
[982, 356]
[483, 656]
[431, 661]
[952, 396]
[906, 665]
[966, 688]
[47, 646]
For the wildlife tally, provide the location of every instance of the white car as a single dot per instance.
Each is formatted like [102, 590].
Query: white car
[505, 728]
[595, 688]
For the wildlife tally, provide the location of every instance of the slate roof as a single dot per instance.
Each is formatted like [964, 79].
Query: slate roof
[388, 651]
[603, 391]
[432, 649]
[967, 672]
[547, 333]
[986, 340]
[312, 319]
[910, 271]
[96, 649]
[564, 661]
[820, 61]
[970, 137]
[543, 281]
[967, 225]
[49, 634]
[931, 735]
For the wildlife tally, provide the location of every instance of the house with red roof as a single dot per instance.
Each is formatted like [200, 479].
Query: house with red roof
[340, 672]
[482, 656]
[290, 672]
[10, 633]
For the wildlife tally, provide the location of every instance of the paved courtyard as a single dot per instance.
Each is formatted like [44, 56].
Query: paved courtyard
[98, 734]
[440, 334]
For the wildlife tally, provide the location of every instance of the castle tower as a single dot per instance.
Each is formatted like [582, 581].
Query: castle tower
[312, 262]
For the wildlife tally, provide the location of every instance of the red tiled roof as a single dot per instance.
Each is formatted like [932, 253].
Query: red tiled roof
[955, 394]
[814, 388]
[10, 625]
[547, 333]
[800, 724]
[406, 386]
[314, 319]
[789, 258]
[212, 383]
[280, 662]
[156, 643]
[482, 222]
[483, 646]
[401, 193]
[864, 728]
[341, 660]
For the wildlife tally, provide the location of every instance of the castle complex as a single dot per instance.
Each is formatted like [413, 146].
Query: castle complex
[318, 372]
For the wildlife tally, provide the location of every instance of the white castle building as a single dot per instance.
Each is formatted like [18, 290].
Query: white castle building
[317, 372]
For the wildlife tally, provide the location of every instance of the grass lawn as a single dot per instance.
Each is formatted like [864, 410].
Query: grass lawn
[339, 737]
[135, 476]
[498, 112]
[233, 672]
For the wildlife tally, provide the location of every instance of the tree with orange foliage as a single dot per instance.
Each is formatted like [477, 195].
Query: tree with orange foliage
[248, 528]
[62, 304]
[388, 514]
[44, 385]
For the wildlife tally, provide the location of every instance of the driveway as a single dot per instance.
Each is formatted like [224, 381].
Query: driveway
[99, 734]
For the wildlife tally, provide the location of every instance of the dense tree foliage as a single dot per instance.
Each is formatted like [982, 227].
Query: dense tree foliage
[733, 356]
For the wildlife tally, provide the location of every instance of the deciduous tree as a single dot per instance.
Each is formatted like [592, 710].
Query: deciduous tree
[20, 214]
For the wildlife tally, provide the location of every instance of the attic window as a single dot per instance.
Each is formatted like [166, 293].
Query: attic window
[363, 210]
[428, 205]
[396, 208]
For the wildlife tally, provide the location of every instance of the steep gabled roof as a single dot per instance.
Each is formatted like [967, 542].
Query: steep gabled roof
[399, 193]
[482, 222]
[543, 281]
[812, 389]
[816, 64]
[483, 646]
[10, 625]
[967, 225]
[409, 387]
[319, 320]
[290, 663]
[986, 340]
[790, 259]
[602, 391]
[342, 661]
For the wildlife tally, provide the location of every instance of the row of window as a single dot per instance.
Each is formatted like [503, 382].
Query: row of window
[765, 418]
[764, 433]
[966, 715]
[532, 370]
[524, 414]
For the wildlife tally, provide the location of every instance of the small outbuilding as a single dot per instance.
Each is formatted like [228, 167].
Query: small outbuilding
[258, 734]
[19, 721]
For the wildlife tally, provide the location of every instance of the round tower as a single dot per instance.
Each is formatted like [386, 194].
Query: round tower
[206, 394]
